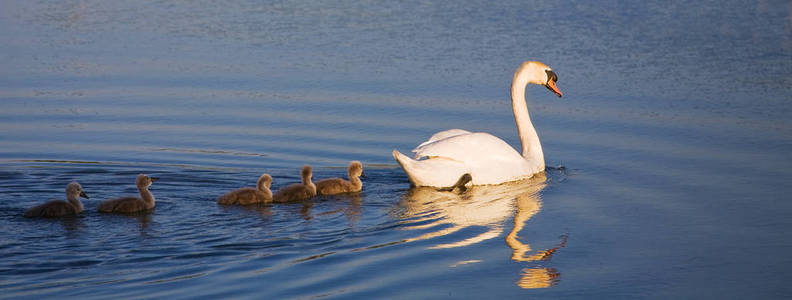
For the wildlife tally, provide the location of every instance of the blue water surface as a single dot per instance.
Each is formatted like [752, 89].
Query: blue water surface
[669, 153]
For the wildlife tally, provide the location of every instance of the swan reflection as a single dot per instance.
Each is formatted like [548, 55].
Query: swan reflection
[484, 206]
[537, 278]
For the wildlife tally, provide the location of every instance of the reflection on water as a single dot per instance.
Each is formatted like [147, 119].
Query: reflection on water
[263, 211]
[352, 208]
[677, 115]
[536, 278]
[486, 206]
[71, 224]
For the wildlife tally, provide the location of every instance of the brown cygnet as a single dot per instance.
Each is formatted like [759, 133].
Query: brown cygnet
[132, 204]
[58, 208]
[248, 195]
[297, 191]
[332, 186]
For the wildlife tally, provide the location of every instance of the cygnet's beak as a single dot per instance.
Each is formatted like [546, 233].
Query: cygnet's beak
[84, 195]
[154, 179]
[363, 175]
[553, 88]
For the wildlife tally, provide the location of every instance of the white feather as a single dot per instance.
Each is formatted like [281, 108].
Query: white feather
[439, 136]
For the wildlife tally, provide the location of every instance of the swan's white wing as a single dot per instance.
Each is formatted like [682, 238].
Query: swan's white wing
[470, 147]
[488, 159]
[437, 172]
[441, 135]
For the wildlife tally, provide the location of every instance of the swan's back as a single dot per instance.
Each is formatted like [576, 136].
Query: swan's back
[54, 208]
[470, 147]
[440, 136]
[488, 159]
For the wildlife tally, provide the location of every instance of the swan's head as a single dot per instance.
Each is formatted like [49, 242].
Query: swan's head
[75, 190]
[538, 73]
[143, 181]
[306, 172]
[265, 180]
[356, 169]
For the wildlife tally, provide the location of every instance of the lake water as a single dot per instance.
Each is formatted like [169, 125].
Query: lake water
[674, 134]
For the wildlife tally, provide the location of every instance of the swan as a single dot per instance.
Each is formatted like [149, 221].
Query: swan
[332, 186]
[297, 191]
[244, 196]
[58, 208]
[448, 155]
[132, 204]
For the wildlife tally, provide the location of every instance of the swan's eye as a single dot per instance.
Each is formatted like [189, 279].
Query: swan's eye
[551, 76]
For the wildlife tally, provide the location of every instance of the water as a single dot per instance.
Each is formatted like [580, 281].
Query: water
[674, 136]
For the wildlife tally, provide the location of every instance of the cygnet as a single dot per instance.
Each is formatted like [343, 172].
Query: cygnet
[248, 195]
[333, 186]
[130, 204]
[297, 191]
[58, 208]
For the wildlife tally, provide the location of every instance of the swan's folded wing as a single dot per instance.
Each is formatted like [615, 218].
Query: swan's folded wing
[469, 147]
[439, 136]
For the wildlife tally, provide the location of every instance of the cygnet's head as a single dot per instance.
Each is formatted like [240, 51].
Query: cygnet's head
[74, 190]
[265, 180]
[538, 73]
[356, 169]
[143, 181]
[306, 172]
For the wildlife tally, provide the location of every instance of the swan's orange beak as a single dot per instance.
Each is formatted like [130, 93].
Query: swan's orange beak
[553, 88]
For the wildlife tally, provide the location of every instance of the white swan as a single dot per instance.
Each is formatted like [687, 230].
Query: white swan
[447, 155]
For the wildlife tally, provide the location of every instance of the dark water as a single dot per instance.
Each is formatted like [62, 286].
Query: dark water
[674, 133]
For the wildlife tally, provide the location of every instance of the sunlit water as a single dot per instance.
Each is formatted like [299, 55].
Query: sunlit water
[674, 136]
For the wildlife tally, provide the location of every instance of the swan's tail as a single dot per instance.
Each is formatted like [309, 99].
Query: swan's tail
[434, 171]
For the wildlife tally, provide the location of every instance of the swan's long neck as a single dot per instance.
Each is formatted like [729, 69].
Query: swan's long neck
[531, 147]
[147, 196]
